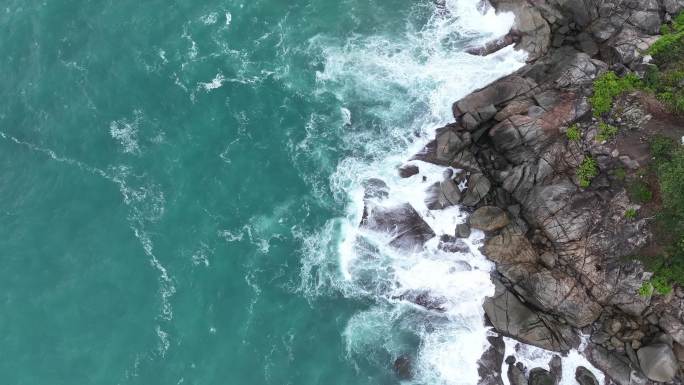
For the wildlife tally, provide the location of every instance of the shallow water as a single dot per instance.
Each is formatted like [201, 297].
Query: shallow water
[181, 184]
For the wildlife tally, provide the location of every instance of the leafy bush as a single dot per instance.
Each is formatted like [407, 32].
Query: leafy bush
[620, 174]
[630, 213]
[574, 134]
[640, 192]
[606, 132]
[662, 148]
[607, 87]
[587, 171]
[646, 289]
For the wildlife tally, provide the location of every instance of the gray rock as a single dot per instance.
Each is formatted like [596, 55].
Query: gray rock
[672, 326]
[539, 376]
[375, 188]
[489, 365]
[408, 170]
[585, 377]
[496, 93]
[478, 187]
[403, 222]
[615, 366]
[516, 375]
[658, 362]
[489, 218]
[462, 230]
[510, 316]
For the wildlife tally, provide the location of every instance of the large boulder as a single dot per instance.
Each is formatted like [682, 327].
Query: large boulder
[489, 218]
[402, 222]
[511, 317]
[658, 362]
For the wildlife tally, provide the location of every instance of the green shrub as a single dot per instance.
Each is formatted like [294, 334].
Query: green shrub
[671, 177]
[646, 289]
[587, 171]
[606, 132]
[662, 148]
[661, 285]
[607, 87]
[630, 213]
[640, 192]
[620, 174]
[574, 134]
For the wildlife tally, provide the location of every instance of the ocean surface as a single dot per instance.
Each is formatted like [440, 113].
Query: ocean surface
[181, 183]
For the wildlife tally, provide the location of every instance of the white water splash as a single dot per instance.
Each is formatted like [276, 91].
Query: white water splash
[414, 79]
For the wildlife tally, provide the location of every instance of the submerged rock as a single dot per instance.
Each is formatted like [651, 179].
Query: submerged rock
[402, 367]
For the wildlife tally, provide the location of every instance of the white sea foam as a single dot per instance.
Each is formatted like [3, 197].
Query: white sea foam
[533, 357]
[408, 82]
[126, 132]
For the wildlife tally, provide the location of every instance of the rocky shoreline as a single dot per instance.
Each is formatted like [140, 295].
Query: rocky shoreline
[562, 247]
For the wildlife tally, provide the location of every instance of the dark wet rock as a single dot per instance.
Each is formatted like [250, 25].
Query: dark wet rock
[539, 376]
[510, 360]
[496, 44]
[452, 244]
[442, 195]
[462, 230]
[511, 317]
[516, 376]
[409, 230]
[403, 368]
[556, 368]
[585, 377]
[658, 362]
[375, 188]
[489, 218]
[424, 299]
[408, 170]
[489, 365]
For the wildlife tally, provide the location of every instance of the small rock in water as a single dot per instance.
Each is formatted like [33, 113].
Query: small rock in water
[585, 377]
[402, 367]
[510, 360]
[539, 376]
[408, 170]
[462, 230]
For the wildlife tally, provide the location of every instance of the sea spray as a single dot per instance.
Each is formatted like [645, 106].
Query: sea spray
[406, 84]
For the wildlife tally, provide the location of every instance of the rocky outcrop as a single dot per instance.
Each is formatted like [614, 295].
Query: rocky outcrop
[561, 245]
[509, 315]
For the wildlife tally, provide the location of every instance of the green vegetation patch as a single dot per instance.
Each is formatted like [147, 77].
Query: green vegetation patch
[668, 267]
[606, 132]
[609, 86]
[640, 192]
[574, 134]
[630, 213]
[665, 80]
[587, 171]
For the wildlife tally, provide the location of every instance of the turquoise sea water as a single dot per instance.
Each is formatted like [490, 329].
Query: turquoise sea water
[176, 178]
